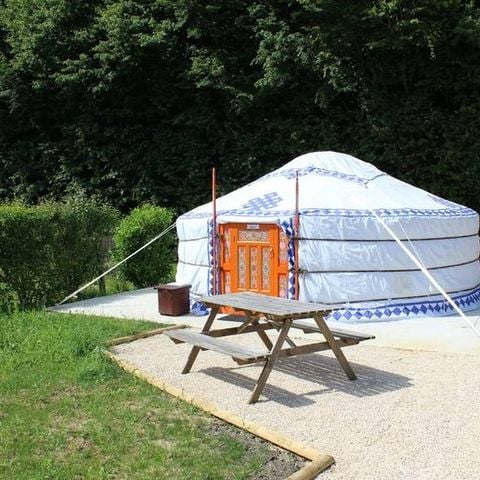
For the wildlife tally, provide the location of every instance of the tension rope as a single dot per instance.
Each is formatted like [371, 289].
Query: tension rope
[76, 292]
[416, 260]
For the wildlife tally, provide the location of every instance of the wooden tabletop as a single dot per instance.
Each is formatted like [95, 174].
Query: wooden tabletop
[273, 307]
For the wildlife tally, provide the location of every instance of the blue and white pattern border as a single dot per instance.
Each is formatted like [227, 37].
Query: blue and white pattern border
[197, 307]
[396, 311]
[343, 212]
[291, 173]
[287, 227]
[211, 273]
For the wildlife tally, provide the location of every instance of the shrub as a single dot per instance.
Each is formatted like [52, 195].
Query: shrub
[26, 253]
[154, 264]
[46, 251]
[83, 223]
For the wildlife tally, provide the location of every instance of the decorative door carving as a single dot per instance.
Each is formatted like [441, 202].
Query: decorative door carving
[253, 257]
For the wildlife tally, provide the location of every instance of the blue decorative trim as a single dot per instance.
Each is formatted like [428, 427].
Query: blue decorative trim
[267, 201]
[198, 308]
[424, 308]
[210, 257]
[291, 174]
[287, 227]
[343, 212]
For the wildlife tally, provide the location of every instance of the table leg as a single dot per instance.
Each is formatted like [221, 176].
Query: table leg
[252, 319]
[263, 336]
[270, 362]
[288, 339]
[334, 346]
[195, 350]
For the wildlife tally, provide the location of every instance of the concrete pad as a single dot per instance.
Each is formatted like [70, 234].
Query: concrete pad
[440, 334]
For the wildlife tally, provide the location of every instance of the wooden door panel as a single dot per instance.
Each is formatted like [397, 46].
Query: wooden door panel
[243, 273]
[254, 257]
[282, 265]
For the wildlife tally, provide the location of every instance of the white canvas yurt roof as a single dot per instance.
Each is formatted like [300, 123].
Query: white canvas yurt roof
[346, 256]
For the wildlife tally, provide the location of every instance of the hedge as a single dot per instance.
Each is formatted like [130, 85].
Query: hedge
[47, 251]
[154, 264]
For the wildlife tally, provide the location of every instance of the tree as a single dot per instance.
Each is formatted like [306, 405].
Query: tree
[136, 100]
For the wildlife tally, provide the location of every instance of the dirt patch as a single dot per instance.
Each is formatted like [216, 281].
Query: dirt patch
[78, 443]
[279, 463]
[165, 444]
[64, 391]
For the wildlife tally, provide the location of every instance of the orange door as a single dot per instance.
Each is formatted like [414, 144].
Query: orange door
[254, 258]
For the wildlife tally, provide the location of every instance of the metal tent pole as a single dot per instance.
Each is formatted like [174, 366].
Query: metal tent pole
[214, 232]
[296, 233]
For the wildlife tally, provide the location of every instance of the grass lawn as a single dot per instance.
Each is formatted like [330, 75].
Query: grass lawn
[68, 412]
[113, 284]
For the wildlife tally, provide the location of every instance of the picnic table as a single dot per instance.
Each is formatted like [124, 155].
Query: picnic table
[264, 313]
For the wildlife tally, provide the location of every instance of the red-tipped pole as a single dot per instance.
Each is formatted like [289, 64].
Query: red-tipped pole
[214, 232]
[296, 233]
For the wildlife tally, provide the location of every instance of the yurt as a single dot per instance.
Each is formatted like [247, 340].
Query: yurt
[322, 229]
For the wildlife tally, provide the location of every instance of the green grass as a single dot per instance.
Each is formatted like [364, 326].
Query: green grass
[68, 412]
[113, 284]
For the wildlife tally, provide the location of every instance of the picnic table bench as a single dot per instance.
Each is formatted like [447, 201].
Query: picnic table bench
[263, 313]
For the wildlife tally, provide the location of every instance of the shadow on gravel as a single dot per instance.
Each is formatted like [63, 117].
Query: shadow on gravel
[270, 391]
[327, 372]
[321, 370]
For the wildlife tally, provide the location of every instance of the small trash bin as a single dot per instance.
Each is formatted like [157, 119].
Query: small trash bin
[173, 299]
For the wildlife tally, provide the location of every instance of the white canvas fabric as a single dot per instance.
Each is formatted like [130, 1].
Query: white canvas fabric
[346, 256]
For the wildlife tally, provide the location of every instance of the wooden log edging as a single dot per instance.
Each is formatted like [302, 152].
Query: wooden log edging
[318, 461]
[311, 469]
[146, 334]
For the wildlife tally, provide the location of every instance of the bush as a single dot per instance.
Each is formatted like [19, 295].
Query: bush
[83, 223]
[46, 251]
[154, 264]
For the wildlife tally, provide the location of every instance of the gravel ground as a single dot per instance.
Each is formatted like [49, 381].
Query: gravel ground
[410, 414]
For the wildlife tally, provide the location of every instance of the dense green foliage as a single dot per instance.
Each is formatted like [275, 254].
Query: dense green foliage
[67, 411]
[154, 264]
[9, 302]
[48, 250]
[137, 99]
